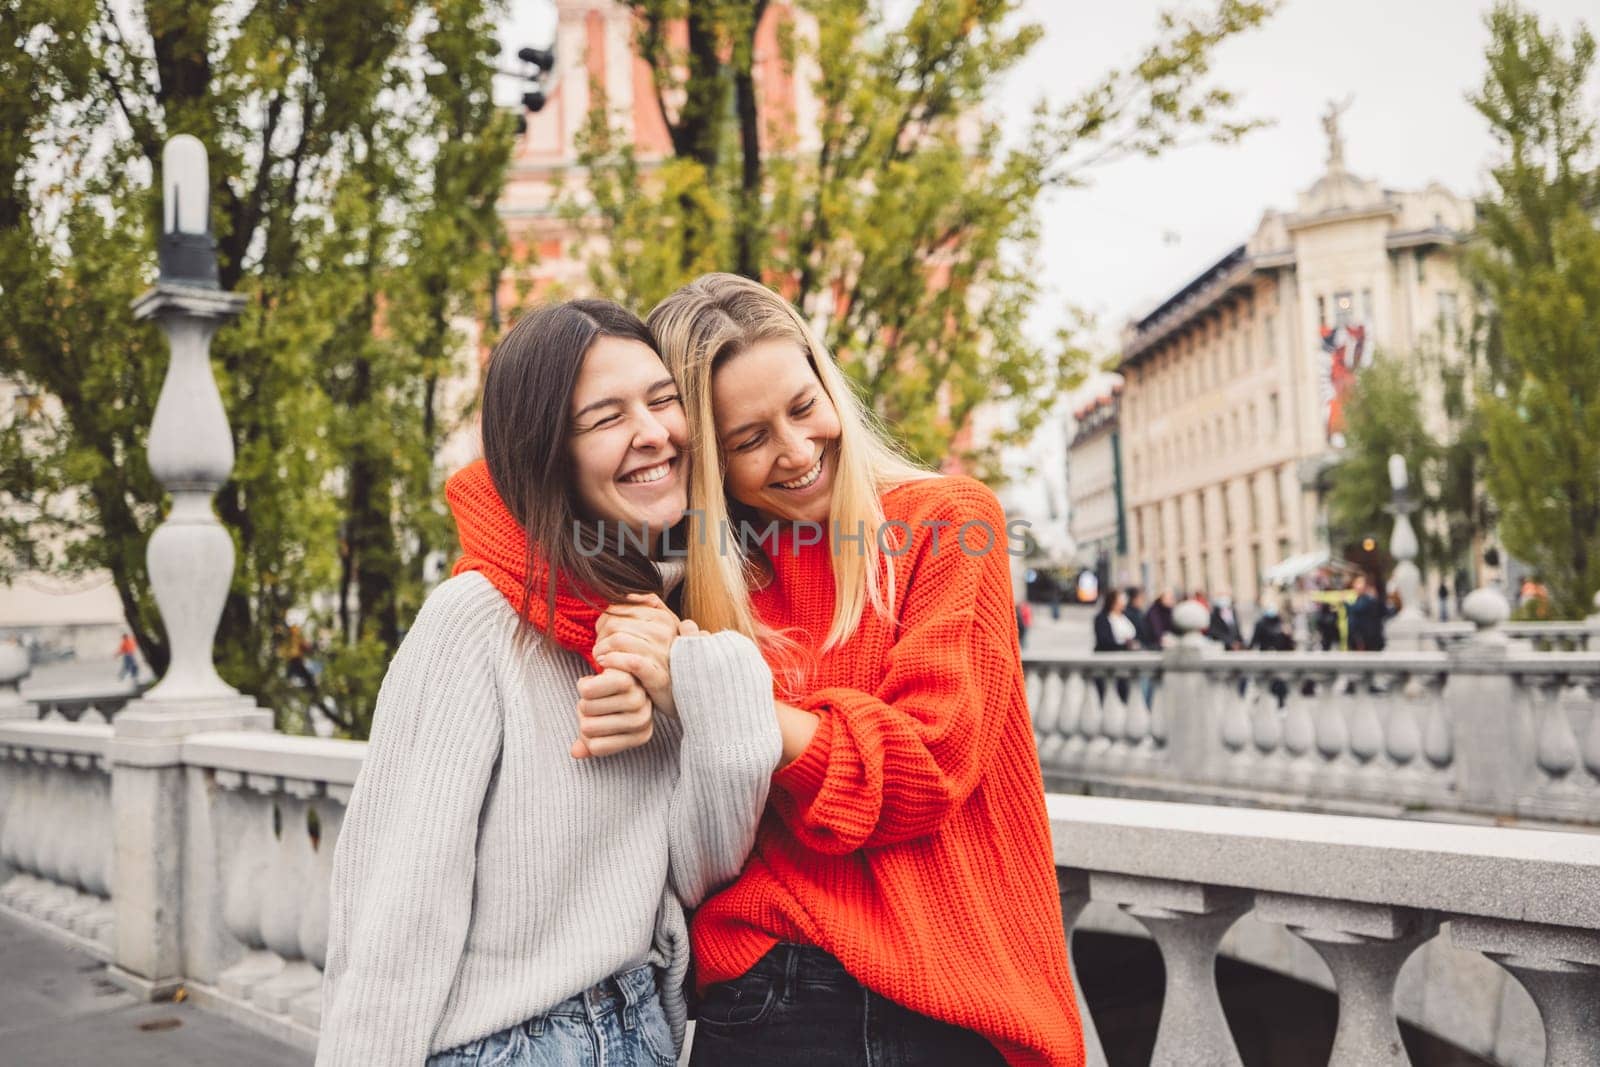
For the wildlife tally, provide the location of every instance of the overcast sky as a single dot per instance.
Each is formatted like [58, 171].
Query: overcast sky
[1145, 227]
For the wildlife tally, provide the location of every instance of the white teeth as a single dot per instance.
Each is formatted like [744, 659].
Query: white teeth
[649, 474]
[806, 479]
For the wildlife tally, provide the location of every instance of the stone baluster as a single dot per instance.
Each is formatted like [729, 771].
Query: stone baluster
[1366, 729]
[306, 1008]
[1114, 718]
[1158, 713]
[1300, 729]
[286, 895]
[1364, 945]
[1187, 923]
[1235, 728]
[1047, 712]
[1033, 686]
[1075, 897]
[1402, 732]
[247, 848]
[1556, 750]
[1559, 967]
[1591, 734]
[1075, 692]
[1091, 714]
[1438, 735]
[1137, 727]
[1192, 718]
[1267, 721]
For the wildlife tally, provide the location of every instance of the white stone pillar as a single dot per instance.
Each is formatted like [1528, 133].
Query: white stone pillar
[191, 561]
[14, 667]
[1404, 631]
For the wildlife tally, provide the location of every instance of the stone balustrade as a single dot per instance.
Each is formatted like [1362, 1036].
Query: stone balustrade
[55, 828]
[261, 815]
[1538, 635]
[1483, 730]
[264, 815]
[1508, 922]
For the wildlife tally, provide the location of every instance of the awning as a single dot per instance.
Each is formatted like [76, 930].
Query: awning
[1295, 567]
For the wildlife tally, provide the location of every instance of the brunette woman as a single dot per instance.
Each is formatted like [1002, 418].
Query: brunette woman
[501, 897]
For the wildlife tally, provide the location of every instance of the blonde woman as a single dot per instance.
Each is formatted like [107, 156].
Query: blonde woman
[900, 904]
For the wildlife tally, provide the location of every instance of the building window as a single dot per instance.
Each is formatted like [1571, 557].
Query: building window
[1225, 498]
[1344, 308]
[1255, 504]
[1273, 416]
[1447, 313]
[1256, 568]
[1322, 311]
[1279, 476]
[1422, 272]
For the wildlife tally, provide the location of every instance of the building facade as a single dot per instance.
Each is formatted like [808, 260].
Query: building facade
[1095, 489]
[1235, 384]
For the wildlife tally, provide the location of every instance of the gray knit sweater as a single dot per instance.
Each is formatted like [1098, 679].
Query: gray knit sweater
[483, 875]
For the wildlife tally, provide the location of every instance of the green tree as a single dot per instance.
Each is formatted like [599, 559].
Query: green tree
[356, 164]
[1537, 266]
[908, 222]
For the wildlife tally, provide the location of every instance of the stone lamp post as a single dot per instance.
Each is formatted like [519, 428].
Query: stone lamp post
[1404, 630]
[191, 559]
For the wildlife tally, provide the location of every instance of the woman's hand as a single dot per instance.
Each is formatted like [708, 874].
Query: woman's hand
[636, 636]
[614, 714]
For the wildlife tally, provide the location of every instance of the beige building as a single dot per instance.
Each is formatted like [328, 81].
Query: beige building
[1234, 385]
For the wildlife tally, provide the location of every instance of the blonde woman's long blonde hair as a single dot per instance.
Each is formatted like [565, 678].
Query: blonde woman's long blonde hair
[711, 320]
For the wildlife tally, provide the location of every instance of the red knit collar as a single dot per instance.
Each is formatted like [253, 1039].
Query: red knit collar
[494, 544]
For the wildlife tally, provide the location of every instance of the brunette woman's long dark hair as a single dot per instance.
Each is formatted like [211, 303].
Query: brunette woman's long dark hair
[527, 421]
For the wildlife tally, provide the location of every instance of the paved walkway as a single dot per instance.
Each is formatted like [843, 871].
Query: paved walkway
[58, 1008]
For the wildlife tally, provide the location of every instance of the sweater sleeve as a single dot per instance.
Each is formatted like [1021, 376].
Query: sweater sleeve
[730, 747]
[401, 896]
[892, 764]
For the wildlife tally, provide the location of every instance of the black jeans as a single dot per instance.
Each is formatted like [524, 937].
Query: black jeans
[799, 1007]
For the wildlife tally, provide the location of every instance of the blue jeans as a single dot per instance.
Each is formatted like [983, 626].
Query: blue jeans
[618, 1023]
[799, 1007]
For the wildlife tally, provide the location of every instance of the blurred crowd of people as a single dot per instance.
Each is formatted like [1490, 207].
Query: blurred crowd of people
[1349, 619]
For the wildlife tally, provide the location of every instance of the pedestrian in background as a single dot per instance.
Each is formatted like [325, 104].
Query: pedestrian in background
[1143, 635]
[1365, 616]
[1160, 617]
[128, 650]
[1224, 626]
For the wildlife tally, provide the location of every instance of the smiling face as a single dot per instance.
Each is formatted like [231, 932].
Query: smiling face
[777, 431]
[628, 437]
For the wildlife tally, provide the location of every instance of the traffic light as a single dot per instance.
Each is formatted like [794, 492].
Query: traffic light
[543, 64]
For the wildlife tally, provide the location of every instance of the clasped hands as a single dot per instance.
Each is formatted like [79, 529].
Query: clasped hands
[633, 648]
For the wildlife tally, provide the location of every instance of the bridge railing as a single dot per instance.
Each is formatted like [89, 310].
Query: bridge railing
[1504, 917]
[1487, 729]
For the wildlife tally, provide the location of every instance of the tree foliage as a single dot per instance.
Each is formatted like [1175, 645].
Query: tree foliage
[1537, 267]
[906, 221]
[1384, 417]
[356, 164]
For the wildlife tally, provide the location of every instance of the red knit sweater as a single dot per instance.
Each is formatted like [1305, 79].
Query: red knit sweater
[910, 839]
